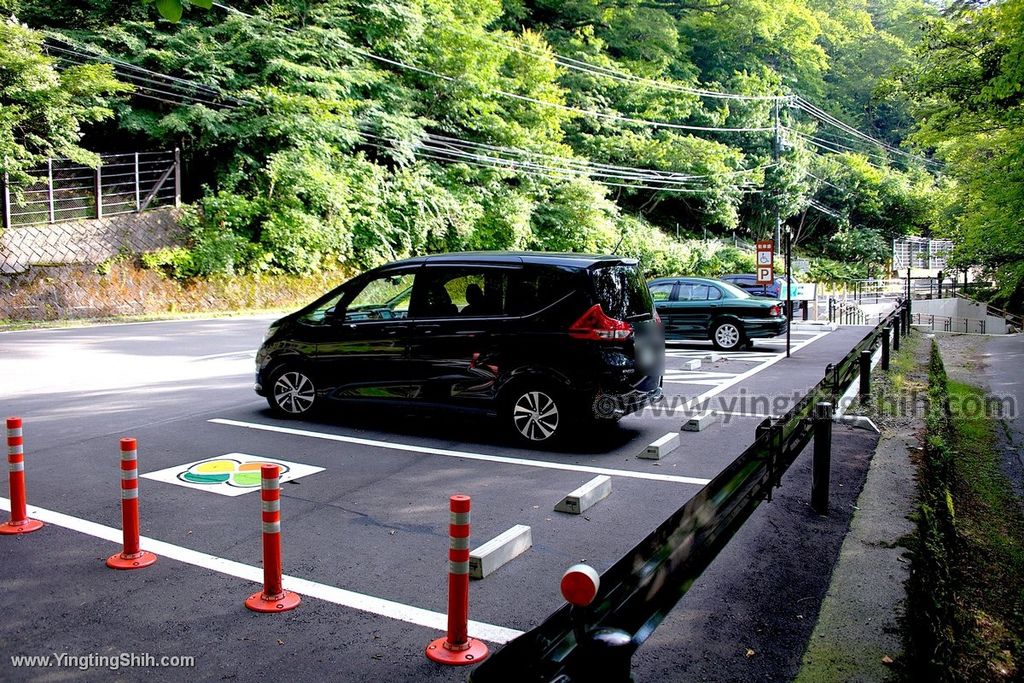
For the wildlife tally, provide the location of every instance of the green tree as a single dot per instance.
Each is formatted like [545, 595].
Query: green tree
[42, 110]
[969, 102]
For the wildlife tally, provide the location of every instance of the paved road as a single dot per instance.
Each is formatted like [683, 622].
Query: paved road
[1004, 373]
[374, 521]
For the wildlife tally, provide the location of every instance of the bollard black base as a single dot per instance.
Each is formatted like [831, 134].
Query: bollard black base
[822, 461]
[609, 656]
[885, 349]
[865, 376]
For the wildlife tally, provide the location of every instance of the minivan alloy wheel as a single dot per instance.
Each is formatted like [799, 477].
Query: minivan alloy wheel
[536, 416]
[727, 335]
[294, 393]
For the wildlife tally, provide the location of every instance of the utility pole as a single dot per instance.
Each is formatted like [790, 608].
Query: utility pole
[789, 289]
[776, 150]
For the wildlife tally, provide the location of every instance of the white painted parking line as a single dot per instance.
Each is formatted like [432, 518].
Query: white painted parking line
[748, 356]
[697, 377]
[247, 355]
[395, 446]
[732, 413]
[338, 596]
[702, 399]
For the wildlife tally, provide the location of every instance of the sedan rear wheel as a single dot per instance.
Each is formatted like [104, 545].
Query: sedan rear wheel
[292, 393]
[727, 336]
[537, 415]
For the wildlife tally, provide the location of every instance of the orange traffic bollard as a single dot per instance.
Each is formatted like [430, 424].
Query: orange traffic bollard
[457, 647]
[19, 522]
[132, 556]
[273, 597]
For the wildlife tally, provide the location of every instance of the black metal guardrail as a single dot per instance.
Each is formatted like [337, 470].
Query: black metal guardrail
[597, 642]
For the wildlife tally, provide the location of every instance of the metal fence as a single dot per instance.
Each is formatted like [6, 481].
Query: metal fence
[65, 191]
[945, 323]
[582, 644]
[920, 252]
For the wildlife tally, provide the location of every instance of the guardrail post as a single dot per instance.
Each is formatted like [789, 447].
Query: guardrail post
[822, 462]
[831, 309]
[806, 312]
[865, 376]
[609, 656]
[896, 334]
[885, 348]
[608, 651]
[766, 430]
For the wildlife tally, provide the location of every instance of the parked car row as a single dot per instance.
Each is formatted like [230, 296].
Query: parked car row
[544, 342]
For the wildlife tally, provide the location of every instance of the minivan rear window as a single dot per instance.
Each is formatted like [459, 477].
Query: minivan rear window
[622, 292]
[536, 287]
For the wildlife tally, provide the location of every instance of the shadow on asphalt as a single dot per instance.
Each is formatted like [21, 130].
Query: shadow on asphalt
[481, 430]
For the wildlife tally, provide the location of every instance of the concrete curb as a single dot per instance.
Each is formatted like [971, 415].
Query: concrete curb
[857, 624]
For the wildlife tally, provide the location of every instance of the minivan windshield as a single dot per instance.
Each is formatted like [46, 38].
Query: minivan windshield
[622, 292]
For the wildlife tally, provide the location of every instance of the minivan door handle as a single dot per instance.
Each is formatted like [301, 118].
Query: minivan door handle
[427, 329]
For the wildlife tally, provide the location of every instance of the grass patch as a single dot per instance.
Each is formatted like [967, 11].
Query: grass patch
[990, 528]
[964, 617]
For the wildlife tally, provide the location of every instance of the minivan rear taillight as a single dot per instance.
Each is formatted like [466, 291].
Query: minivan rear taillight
[594, 324]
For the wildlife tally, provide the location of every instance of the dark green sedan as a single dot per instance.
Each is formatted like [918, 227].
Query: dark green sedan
[699, 308]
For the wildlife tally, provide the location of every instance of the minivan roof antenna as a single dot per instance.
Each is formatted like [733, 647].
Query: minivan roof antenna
[619, 243]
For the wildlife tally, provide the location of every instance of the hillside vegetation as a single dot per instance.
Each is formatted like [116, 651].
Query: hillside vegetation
[356, 131]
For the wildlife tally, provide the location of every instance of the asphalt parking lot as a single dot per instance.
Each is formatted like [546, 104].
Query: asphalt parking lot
[365, 537]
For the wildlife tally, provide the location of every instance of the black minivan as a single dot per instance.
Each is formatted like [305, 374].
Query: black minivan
[543, 341]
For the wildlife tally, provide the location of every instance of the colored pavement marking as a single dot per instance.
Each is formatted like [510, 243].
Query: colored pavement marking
[232, 474]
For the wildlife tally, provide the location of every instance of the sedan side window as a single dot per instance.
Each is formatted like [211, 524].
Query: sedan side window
[699, 292]
[661, 291]
[714, 293]
[383, 298]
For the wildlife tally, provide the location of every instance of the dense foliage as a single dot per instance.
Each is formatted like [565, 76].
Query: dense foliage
[322, 147]
[968, 85]
[44, 110]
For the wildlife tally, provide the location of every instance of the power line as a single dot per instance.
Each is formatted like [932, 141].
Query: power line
[523, 98]
[836, 148]
[818, 206]
[822, 180]
[579, 165]
[622, 76]
[831, 120]
[143, 90]
[666, 181]
[451, 152]
[57, 43]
